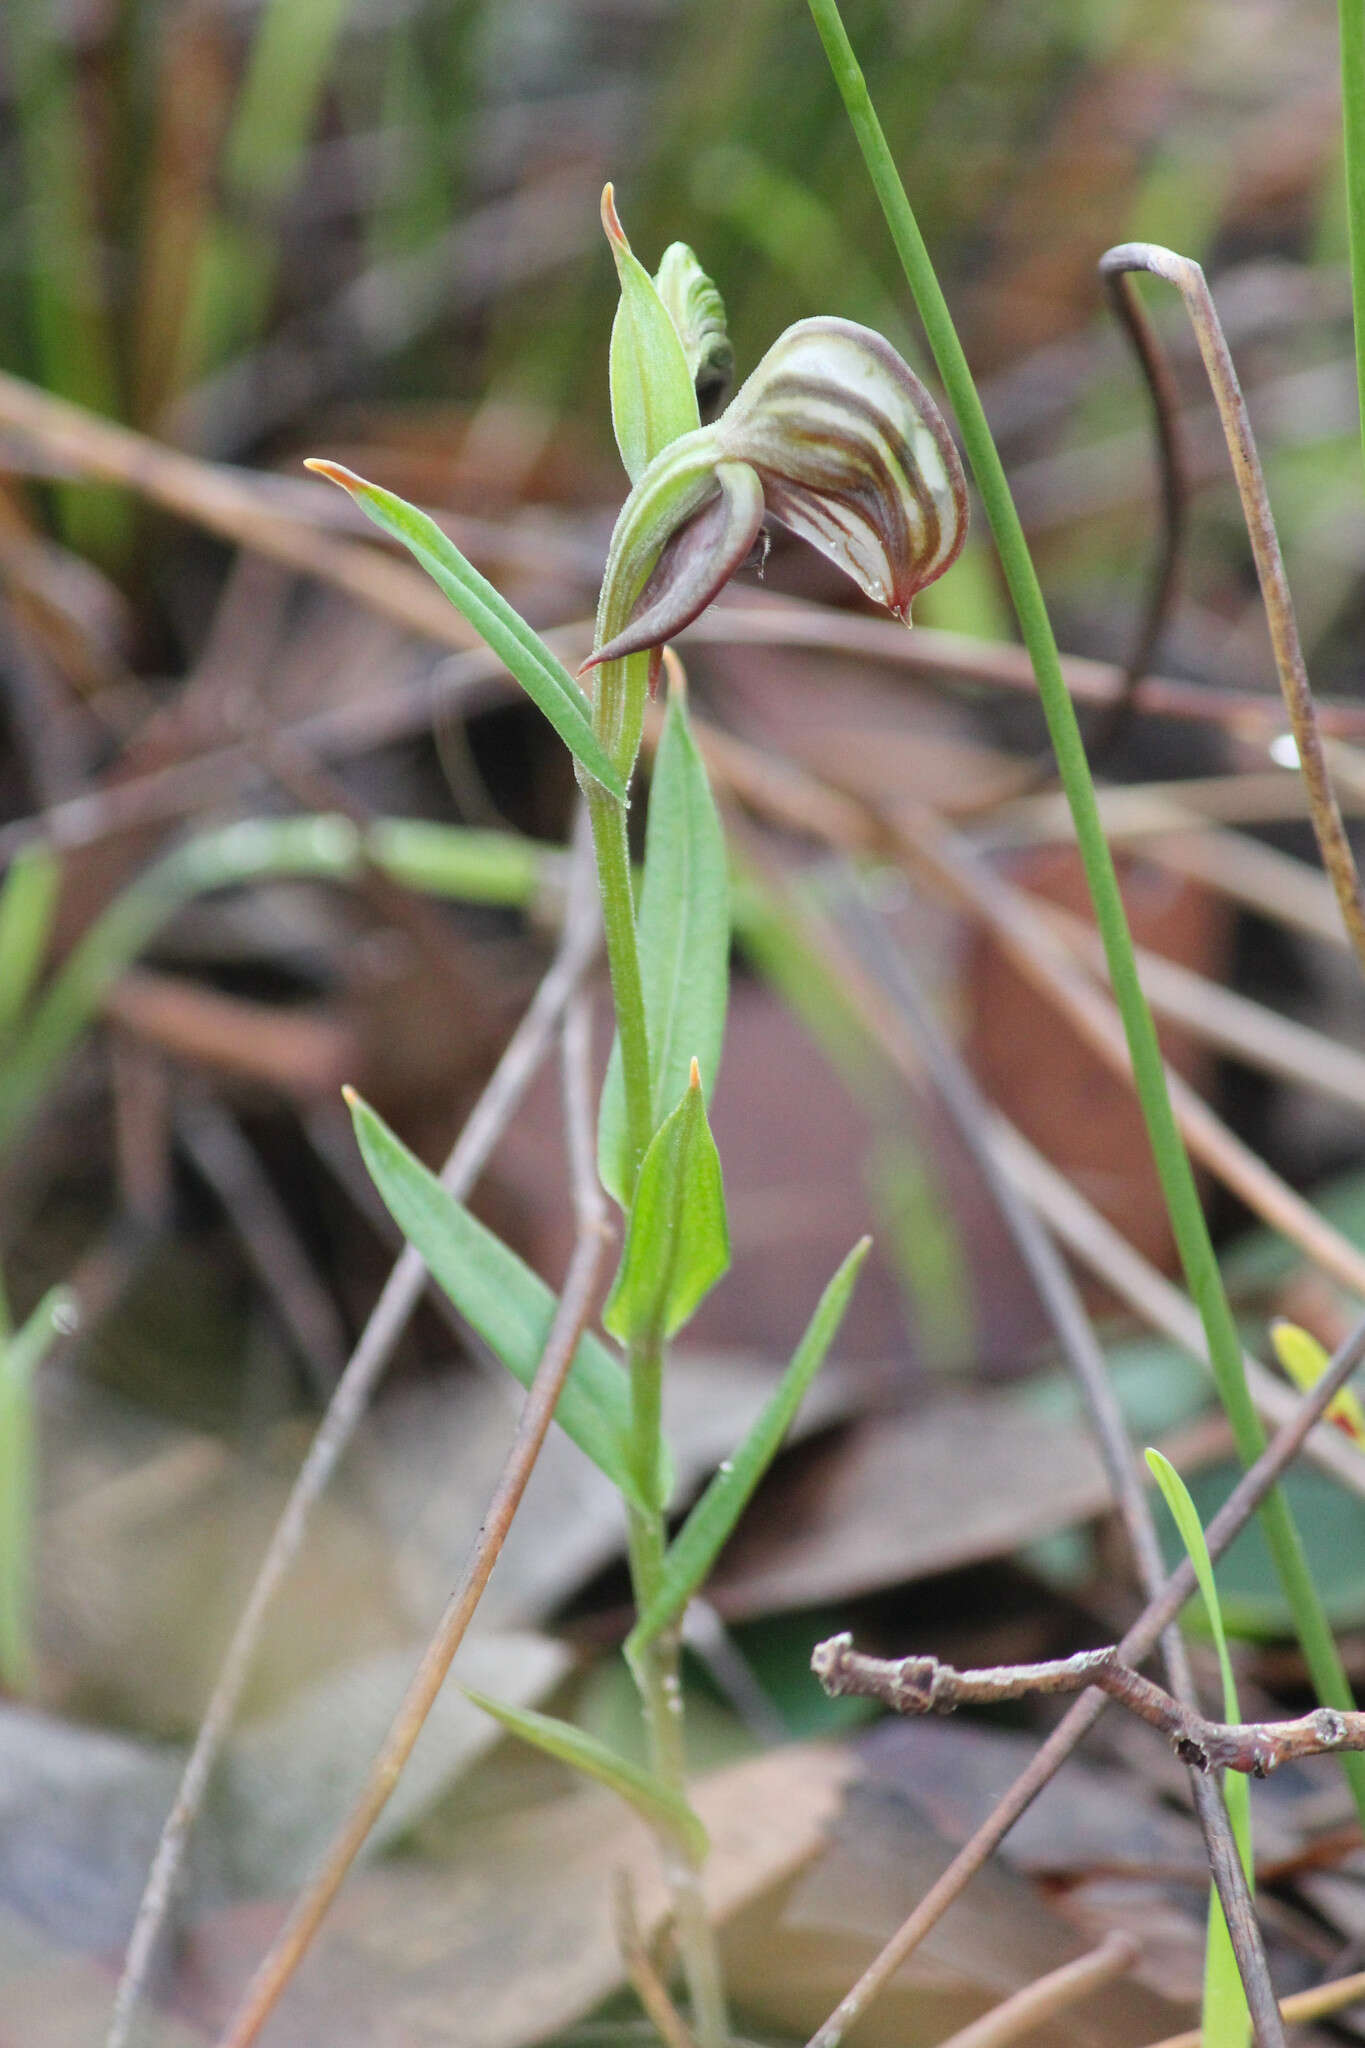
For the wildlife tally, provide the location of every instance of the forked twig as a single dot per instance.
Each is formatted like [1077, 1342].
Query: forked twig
[1032, 2007]
[401, 1293]
[1116, 265]
[921, 1685]
[575, 1306]
[1228, 1523]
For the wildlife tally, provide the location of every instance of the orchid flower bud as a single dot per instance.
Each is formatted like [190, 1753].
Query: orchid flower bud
[842, 444]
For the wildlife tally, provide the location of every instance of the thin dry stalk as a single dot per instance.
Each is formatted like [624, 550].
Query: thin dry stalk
[1038, 2002]
[643, 1978]
[1189, 280]
[575, 1306]
[1228, 1523]
[402, 1291]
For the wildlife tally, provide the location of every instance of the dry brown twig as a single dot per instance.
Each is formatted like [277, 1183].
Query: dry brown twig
[400, 1295]
[575, 1306]
[1038, 2002]
[921, 1685]
[1116, 267]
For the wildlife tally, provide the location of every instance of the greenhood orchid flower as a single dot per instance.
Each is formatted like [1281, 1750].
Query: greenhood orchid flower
[835, 437]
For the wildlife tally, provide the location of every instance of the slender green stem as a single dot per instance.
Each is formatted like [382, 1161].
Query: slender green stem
[1351, 14]
[1172, 1161]
[659, 1680]
[608, 820]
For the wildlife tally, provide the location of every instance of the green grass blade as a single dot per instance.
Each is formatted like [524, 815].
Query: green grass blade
[1179, 1190]
[705, 1532]
[28, 898]
[500, 1297]
[651, 1798]
[20, 1357]
[677, 1242]
[545, 680]
[461, 861]
[1226, 2020]
[684, 940]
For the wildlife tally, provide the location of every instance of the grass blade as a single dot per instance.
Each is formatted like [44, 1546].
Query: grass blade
[703, 1535]
[28, 897]
[545, 680]
[1180, 1193]
[20, 1357]
[1226, 2020]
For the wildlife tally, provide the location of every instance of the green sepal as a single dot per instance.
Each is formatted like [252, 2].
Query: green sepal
[684, 940]
[509, 1306]
[653, 399]
[655, 1802]
[677, 1239]
[545, 679]
[707, 1529]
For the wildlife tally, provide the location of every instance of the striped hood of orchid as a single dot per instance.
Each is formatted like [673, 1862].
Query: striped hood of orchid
[833, 436]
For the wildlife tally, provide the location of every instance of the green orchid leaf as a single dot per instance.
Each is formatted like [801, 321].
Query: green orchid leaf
[1226, 2022]
[1306, 1360]
[677, 1240]
[684, 941]
[707, 1529]
[653, 398]
[545, 680]
[499, 1296]
[656, 1802]
[28, 898]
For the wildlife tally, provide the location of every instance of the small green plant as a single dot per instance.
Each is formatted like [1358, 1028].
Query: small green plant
[835, 437]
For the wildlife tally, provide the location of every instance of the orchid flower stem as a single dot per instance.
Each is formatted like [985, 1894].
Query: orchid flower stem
[612, 848]
[1188, 1225]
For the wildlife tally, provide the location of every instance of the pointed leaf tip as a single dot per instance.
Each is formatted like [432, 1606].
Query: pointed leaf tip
[694, 1074]
[611, 220]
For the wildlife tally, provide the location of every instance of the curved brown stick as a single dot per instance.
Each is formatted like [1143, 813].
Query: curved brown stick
[1190, 282]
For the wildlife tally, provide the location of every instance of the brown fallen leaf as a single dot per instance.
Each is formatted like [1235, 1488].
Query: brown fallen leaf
[512, 1939]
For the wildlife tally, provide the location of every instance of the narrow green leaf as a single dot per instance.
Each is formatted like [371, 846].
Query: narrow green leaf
[684, 941]
[677, 1241]
[653, 399]
[28, 897]
[545, 680]
[1226, 2020]
[707, 1529]
[20, 1357]
[651, 1798]
[508, 1304]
